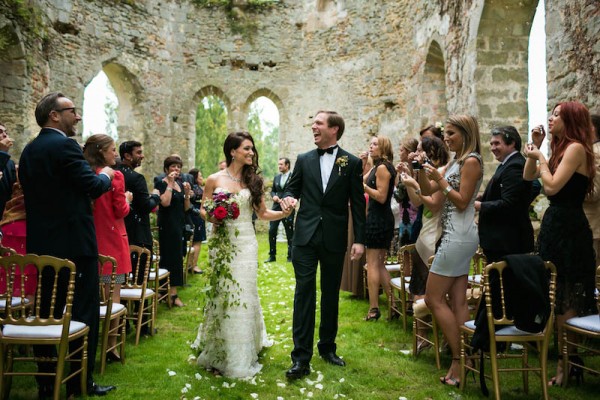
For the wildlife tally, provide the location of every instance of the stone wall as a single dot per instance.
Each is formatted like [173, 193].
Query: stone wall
[389, 67]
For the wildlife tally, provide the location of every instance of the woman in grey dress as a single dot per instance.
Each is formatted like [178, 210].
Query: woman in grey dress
[460, 183]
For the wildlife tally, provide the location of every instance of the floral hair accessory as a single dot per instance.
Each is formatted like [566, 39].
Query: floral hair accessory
[440, 126]
[341, 162]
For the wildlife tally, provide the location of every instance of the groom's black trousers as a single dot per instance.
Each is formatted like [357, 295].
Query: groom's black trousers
[305, 260]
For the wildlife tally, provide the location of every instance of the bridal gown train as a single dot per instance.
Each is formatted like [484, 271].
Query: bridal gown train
[233, 348]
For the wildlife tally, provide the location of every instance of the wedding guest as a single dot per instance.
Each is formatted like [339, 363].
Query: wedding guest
[379, 229]
[407, 209]
[199, 226]
[565, 236]
[14, 233]
[459, 182]
[59, 184]
[110, 210]
[175, 200]
[432, 150]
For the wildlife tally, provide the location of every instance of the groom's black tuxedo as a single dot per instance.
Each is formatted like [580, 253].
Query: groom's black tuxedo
[504, 224]
[321, 236]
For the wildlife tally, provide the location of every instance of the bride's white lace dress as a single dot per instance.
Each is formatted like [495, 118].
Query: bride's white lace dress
[242, 334]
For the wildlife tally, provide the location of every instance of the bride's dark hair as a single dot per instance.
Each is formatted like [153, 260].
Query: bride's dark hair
[251, 174]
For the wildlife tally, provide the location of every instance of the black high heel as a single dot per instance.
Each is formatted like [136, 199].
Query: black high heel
[373, 314]
[575, 371]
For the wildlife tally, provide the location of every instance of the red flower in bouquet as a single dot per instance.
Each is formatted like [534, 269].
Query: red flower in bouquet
[220, 213]
[235, 211]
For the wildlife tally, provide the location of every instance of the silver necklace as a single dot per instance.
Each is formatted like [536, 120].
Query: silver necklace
[238, 180]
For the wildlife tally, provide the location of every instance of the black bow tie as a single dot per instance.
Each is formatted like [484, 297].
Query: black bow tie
[329, 150]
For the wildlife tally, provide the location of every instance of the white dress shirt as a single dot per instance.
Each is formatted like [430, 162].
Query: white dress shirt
[326, 161]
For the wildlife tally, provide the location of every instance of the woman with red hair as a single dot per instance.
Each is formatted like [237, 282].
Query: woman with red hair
[565, 236]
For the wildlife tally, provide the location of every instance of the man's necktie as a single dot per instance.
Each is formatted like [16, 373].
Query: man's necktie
[329, 150]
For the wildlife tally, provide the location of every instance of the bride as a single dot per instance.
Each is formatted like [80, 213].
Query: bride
[231, 345]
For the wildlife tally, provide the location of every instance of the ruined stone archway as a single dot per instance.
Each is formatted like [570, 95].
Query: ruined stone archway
[189, 123]
[283, 131]
[501, 76]
[129, 93]
[432, 103]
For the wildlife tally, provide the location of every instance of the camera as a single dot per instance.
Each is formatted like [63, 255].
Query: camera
[417, 165]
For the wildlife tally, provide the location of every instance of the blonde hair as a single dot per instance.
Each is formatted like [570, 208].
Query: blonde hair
[385, 148]
[93, 148]
[469, 129]
[410, 144]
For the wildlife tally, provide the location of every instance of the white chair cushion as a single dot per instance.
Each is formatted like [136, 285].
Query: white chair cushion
[512, 330]
[470, 324]
[14, 301]
[589, 322]
[396, 283]
[40, 332]
[161, 274]
[392, 267]
[129, 293]
[116, 307]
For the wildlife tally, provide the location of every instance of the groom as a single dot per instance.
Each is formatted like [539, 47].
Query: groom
[325, 180]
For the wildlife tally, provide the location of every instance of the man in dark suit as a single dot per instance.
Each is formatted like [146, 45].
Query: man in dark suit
[325, 180]
[504, 224]
[279, 183]
[58, 186]
[137, 222]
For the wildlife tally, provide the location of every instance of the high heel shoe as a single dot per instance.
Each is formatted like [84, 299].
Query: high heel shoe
[112, 356]
[174, 302]
[575, 371]
[373, 314]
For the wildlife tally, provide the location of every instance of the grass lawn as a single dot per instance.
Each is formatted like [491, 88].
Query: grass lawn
[377, 366]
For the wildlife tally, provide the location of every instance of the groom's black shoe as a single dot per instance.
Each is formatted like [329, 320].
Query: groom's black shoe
[332, 358]
[298, 370]
[270, 259]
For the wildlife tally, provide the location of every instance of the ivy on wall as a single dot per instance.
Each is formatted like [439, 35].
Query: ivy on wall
[236, 10]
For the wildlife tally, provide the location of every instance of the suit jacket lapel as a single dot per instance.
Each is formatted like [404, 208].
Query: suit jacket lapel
[314, 168]
[335, 171]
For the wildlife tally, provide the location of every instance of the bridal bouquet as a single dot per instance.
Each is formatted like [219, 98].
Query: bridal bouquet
[222, 206]
[222, 290]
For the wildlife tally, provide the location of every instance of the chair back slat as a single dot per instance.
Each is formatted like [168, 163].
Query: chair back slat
[106, 297]
[405, 260]
[51, 298]
[138, 279]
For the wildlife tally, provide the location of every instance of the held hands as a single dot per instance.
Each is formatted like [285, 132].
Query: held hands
[129, 196]
[288, 204]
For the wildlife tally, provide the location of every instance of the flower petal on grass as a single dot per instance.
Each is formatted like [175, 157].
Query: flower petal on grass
[254, 395]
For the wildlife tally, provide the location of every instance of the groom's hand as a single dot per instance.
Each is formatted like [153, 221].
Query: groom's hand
[357, 251]
[288, 203]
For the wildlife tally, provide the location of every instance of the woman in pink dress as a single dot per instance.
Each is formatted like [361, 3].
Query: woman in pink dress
[110, 210]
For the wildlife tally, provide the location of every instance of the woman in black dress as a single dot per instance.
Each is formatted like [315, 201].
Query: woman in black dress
[199, 226]
[174, 202]
[565, 236]
[379, 186]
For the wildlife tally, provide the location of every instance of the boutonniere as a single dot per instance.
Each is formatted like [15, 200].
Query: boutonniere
[341, 162]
